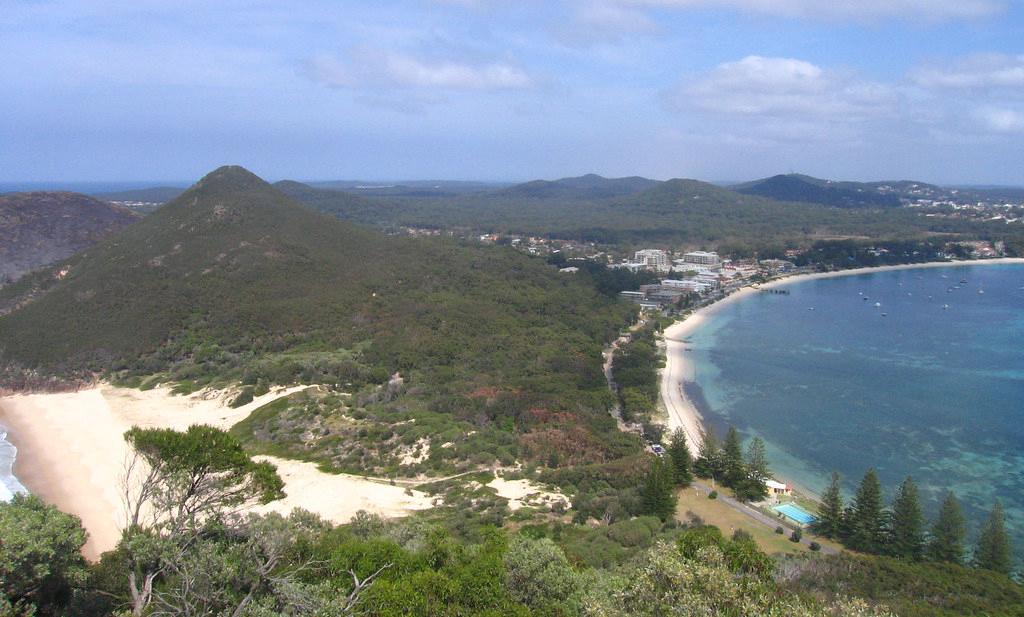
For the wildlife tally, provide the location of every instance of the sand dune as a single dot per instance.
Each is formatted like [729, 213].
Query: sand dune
[72, 454]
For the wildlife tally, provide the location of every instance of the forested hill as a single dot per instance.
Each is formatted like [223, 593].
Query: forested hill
[675, 211]
[796, 187]
[39, 228]
[233, 276]
[590, 186]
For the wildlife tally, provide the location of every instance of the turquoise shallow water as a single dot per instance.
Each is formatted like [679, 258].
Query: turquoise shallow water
[932, 392]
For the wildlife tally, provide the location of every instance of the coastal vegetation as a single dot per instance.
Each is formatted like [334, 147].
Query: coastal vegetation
[635, 374]
[200, 556]
[726, 463]
[902, 531]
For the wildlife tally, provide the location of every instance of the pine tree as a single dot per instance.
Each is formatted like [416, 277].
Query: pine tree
[708, 463]
[757, 460]
[867, 524]
[682, 462]
[947, 541]
[659, 490]
[907, 523]
[830, 512]
[732, 459]
[994, 551]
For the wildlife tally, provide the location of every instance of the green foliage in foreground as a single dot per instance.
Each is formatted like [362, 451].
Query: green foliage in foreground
[274, 566]
[699, 577]
[40, 563]
[910, 589]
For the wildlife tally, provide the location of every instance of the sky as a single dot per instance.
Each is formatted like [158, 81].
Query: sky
[510, 90]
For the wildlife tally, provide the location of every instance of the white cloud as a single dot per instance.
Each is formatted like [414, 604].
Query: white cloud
[757, 86]
[376, 69]
[932, 10]
[1000, 120]
[976, 71]
[613, 17]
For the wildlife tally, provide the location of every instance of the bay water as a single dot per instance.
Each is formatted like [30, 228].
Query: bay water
[914, 372]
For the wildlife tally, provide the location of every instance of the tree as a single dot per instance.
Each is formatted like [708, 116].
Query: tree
[667, 581]
[658, 493]
[751, 487]
[709, 457]
[176, 484]
[682, 462]
[732, 459]
[994, 551]
[538, 575]
[757, 460]
[40, 554]
[907, 523]
[947, 541]
[830, 512]
[867, 520]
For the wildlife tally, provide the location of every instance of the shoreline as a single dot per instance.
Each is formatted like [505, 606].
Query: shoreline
[71, 453]
[682, 412]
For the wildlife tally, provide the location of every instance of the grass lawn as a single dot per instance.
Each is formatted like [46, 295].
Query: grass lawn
[728, 520]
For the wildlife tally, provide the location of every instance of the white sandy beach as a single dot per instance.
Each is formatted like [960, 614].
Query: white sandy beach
[72, 454]
[682, 413]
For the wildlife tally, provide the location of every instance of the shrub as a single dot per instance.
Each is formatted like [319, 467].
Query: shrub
[815, 546]
[713, 495]
[742, 535]
[797, 535]
[780, 530]
[244, 397]
[538, 575]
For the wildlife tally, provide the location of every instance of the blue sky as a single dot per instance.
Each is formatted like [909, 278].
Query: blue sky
[513, 90]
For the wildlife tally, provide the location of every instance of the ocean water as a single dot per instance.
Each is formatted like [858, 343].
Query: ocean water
[9, 485]
[925, 390]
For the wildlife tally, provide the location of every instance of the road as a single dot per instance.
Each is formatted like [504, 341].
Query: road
[757, 515]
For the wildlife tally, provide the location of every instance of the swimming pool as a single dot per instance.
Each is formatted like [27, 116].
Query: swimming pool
[796, 513]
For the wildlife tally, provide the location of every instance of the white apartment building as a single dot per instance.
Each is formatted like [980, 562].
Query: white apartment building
[702, 258]
[655, 259]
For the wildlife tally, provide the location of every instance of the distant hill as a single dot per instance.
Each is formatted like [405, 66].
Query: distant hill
[800, 188]
[1012, 194]
[678, 212]
[341, 204]
[41, 228]
[156, 194]
[408, 188]
[233, 280]
[590, 186]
